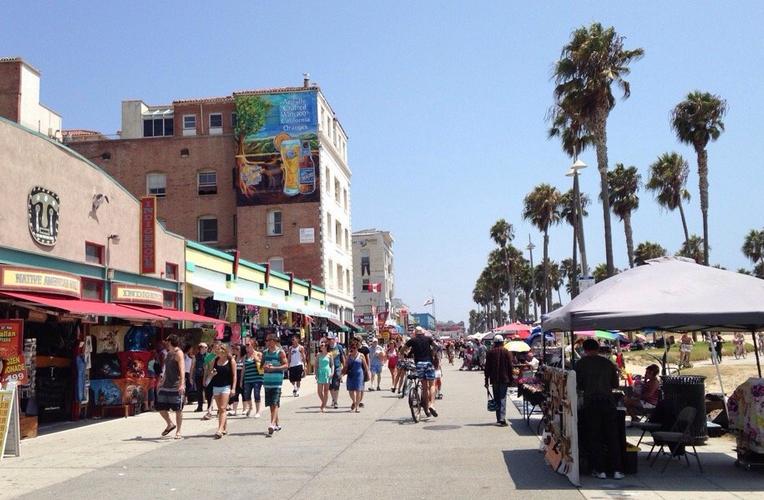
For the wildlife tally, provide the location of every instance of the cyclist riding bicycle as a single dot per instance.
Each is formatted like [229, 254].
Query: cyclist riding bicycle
[423, 349]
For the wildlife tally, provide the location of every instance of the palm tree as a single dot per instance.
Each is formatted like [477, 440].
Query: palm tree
[600, 272]
[623, 184]
[542, 209]
[696, 121]
[648, 250]
[525, 282]
[502, 233]
[668, 177]
[693, 248]
[569, 214]
[753, 246]
[570, 270]
[589, 65]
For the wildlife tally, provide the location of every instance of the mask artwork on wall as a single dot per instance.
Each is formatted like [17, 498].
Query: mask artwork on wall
[43, 208]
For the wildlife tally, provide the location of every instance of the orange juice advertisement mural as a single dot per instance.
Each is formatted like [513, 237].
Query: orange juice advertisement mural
[277, 148]
[11, 356]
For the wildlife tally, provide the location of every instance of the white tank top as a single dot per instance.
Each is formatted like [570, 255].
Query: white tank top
[295, 359]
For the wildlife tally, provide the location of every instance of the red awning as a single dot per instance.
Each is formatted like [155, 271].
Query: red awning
[175, 315]
[77, 306]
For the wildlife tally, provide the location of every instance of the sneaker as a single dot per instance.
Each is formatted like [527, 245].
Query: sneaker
[618, 475]
[277, 428]
[371, 389]
[392, 389]
[257, 415]
[270, 430]
[378, 388]
[297, 394]
[599, 475]
[433, 412]
[360, 405]
[294, 393]
[426, 411]
[502, 423]
[334, 405]
[198, 410]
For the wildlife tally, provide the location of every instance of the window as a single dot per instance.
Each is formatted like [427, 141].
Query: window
[208, 182]
[92, 289]
[276, 264]
[340, 285]
[157, 127]
[365, 285]
[329, 227]
[169, 300]
[347, 278]
[189, 124]
[345, 199]
[156, 184]
[216, 123]
[274, 223]
[171, 271]
[234, 120]
[208, 229]
[338, 233]
[330, 272]
[94, 253]
[337, 191]
[347, 240]
[328, 181]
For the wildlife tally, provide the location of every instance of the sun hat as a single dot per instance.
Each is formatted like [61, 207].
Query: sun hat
[498, 339]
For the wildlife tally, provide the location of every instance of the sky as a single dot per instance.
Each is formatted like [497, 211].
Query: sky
[444, 103]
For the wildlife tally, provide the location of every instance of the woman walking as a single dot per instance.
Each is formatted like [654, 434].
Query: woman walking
[392, 362]
[324, 373]
[251, 380]
[222, 381]
[172, 387]
[355, 369]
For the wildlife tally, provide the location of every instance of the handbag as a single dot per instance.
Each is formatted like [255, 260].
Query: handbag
[491, 405]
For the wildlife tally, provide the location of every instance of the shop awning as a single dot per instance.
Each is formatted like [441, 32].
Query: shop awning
[77, 306]
[340, 327]
[174, 315]
[354, 326]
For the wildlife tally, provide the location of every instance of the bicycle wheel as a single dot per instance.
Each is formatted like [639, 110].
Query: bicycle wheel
[406, 385]
[414, 403]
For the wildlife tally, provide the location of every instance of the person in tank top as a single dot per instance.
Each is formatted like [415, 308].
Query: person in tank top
[274, 364]
[324, 373]
[223, 379]
[296, 364]
[172, 387]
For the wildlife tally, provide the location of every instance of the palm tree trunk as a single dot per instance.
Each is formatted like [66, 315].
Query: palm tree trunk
[629, 238]
[600, 138]
[511, 285]
[547, 287]
[684, 224]
[703, 178]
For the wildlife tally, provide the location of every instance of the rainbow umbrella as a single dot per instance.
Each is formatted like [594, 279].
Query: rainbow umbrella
[599, 334]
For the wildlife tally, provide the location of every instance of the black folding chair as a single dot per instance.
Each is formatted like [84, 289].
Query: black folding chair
[678, 439]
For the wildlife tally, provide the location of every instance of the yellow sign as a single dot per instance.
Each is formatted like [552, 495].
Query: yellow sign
[33, 280]
[137, 295]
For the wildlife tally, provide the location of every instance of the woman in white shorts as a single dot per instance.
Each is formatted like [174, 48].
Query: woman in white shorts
[223, 379]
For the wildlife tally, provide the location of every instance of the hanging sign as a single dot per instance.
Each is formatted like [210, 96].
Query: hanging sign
[148, 234]
[132, 294]
[12, 367]
[10, 431]
[22, 279]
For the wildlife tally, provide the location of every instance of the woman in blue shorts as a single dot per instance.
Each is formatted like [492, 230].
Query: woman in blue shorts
[355, 369]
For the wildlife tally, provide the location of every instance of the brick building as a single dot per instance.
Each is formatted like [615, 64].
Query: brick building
[279, 194]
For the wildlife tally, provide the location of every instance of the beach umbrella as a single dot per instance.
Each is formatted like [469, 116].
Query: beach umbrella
[517, 346]
[598, 334]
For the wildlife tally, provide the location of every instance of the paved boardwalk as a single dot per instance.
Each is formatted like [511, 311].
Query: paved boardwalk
[377, 453]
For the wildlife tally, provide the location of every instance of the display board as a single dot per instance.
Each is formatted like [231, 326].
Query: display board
[560, 440]
[10, 433]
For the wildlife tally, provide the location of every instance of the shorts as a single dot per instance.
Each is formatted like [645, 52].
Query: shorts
[376, 368]
[248, 387]
[336, 381]
[168, 400]
[425, 370]
[296, 373]
[217, 391]
[273, 396]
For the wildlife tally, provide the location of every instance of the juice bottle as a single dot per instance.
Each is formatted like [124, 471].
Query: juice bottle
[307, 173]
[290, 158]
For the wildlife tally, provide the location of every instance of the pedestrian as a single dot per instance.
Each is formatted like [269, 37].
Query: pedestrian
[251, 380]
[597, 376]
[222, 379]
[761, 343]
[172, 387]
[324, 373]
[423, 349]
[498, 373]
[685, 348]
[363, 348]
[355, 369]
[376, 361]
[450, 352]
[274, 365]
[338, 356]
[197, 370]
[188, 361]
[400, 372]
[718, 347]
[209, 360]
[392, 362]
[296, 365]
[233, 399]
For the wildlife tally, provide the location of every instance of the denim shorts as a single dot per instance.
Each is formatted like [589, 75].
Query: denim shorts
[425, 370]
[248, 387]
[273, 396]
[217, 391]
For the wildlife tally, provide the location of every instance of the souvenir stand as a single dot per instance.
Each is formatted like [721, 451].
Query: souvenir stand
[560, 421]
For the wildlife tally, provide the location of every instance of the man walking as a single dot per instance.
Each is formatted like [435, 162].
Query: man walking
[597, 376]
[337, 353]
[498, 372]
[423, 349]
[198, 374]
[296, 365]
[274, 364]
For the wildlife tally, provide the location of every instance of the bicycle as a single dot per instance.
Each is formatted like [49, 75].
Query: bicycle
[415, 396]
[410, 367]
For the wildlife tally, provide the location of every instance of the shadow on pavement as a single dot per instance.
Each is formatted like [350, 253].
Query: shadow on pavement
[523, 429]
[529, 471]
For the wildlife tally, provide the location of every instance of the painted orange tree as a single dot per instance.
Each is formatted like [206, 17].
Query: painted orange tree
[251, 113]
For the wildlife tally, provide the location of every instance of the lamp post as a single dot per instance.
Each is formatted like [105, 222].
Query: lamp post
[109, 273]
[530, 248]
[579, 218]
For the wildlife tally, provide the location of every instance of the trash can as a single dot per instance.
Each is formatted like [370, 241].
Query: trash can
[688, 390]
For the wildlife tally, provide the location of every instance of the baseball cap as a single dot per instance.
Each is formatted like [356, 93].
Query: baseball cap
[332, 335]
[498, 339]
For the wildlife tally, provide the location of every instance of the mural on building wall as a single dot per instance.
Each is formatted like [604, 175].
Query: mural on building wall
[277, 153]
[43, 211]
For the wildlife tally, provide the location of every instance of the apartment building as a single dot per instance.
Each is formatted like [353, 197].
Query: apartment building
[374, 276]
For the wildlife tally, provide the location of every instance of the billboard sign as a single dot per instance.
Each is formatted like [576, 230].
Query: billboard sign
[148, 234]
[277, 156]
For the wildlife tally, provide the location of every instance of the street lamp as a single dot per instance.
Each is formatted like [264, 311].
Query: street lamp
[109, 272]
[578, 227]
[530, 248]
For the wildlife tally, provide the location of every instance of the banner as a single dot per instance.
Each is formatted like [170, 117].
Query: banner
[148, 234]
[11, 355]
[277, 160]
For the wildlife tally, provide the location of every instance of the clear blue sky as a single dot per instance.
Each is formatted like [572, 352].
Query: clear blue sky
[444, 103]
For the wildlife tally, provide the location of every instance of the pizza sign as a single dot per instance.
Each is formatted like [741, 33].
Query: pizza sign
[43, 208]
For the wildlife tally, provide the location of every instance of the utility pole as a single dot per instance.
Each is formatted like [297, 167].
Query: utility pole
[530, 248]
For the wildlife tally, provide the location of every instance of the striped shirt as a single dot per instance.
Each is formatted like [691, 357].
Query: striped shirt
[251, 371]
[272, 379]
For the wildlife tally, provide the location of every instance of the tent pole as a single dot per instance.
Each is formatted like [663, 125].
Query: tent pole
[562, 358]
[756, 351]
[718, 372]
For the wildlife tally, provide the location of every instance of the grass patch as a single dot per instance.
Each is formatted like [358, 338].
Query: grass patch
[699, 352]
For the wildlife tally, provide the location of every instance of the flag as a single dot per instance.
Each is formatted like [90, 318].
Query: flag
[429, 302]
[375, 287]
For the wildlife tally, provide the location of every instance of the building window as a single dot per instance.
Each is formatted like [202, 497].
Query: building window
[347, 278]
[171, 271]
[347, 240]
[208, 229]
[274, 223]
[157, 127]
[345, 199]
[328, 181]
[169, 300]
[189, 124]
[330, 272]
[365, 265]
[234, 120]
[216, 123]
[329, 227]
[276, 264]
[338, 233]
[337, 191]
[92, 289]
[94, 253]
[156, 184]
[208, 182]
[365, 285]
[340, 285]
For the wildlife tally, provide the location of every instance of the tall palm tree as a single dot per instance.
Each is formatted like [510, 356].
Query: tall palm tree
[648, 250]
[570, 271]
[623, 185]
[600, 273]
[502, 233]
[542, 209]
[569, 214]
[590, 63]
[696, 121]
[753, 246]
[668, 177]
[693, 249]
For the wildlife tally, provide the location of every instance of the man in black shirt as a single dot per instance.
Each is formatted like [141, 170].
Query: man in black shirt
[597, 376]
[423, 349]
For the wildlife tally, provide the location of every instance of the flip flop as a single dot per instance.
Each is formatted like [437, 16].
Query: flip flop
[178, 436]
[218, 435]
[168, 430]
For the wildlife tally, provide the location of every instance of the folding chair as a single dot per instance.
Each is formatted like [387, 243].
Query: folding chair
[678, 439]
